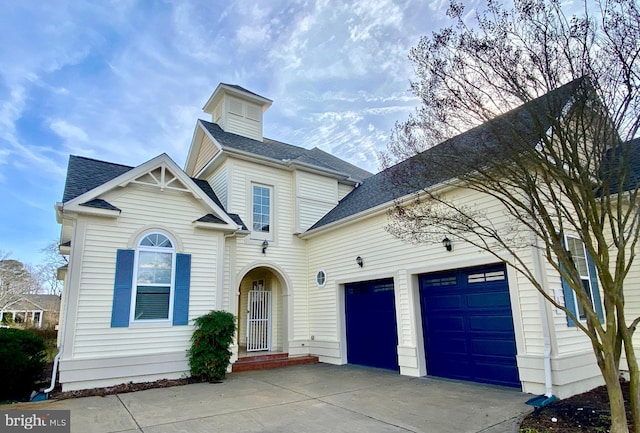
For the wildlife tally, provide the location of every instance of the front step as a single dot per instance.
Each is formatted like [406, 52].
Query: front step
[272, 360]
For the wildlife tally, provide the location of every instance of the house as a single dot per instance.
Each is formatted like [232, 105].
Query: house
[292, 241]
[33, 310]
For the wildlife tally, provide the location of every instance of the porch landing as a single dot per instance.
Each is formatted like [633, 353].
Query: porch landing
[265, 360]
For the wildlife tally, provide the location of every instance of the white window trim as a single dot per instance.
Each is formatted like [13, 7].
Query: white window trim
[325, 278]
[134, 283]
[260, 235]
[582, 277]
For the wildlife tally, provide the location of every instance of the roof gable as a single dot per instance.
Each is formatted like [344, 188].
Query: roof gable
[161, 172]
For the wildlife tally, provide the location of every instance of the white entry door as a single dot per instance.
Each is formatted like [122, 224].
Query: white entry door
[259, 320]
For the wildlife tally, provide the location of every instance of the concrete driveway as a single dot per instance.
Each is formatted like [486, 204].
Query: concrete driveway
[306, 398]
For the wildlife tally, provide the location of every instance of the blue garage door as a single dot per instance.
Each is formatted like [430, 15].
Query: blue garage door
[370, 313]
[468, 325]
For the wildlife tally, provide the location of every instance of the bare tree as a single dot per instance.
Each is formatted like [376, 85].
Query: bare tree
[564, 162]
[16, 280]
[47, 271]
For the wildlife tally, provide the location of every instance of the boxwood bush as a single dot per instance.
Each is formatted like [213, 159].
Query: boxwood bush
[22, 362]
[209, 354]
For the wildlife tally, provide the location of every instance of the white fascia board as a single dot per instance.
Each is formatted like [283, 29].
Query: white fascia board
[93, 211]
[215, 226]
[285, 164]
[194, 148]
[125, 178]
[318, 170]
[59, 211]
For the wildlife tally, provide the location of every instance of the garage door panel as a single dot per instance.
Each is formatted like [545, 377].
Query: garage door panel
[491, 300]
[444, 323]
[493, 347]
[468, 325]
[372, 337]
[450, 344]
[450, 301]
[490, 323]
[497, 374]
[440, 366]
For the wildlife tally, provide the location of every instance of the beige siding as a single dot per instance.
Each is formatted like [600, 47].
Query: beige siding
[141, 207]
[343, 190]
[207, 151]
[237, 122]
[218, 181]
[310, 211]
[315, 196]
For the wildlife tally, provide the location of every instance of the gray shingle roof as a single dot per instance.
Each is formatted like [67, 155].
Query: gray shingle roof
[98, 203]
[627, 153]
[85, 174]
[210, 218]
[386, 186]
[242, 89]
[284, 152]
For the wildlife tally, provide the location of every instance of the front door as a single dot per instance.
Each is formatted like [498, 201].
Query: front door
[259, 318]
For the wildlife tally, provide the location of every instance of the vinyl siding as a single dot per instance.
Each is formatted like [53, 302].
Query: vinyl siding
[218, 182]
[142, 207]
[207, 151]
[239, 123]
[343, 190]
[315, 196]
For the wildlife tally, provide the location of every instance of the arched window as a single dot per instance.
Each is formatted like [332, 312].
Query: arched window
[153, 278]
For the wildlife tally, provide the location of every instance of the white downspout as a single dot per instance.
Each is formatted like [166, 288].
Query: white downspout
[65, 312]
[546, 333]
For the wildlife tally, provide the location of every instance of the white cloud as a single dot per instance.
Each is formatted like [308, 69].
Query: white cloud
[68, 131]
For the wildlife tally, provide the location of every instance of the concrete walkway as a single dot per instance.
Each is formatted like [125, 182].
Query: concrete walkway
[306, 398]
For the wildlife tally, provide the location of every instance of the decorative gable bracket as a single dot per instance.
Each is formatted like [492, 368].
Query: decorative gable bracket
[161, 177]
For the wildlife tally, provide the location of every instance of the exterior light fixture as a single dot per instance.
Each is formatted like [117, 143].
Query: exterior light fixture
[447, 244]
[359, 261]
[265, 245]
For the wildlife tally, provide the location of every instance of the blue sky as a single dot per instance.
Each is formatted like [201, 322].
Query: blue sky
[125, 80]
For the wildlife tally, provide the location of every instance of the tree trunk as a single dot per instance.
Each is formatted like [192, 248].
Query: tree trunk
[610, 373]
[634, 379]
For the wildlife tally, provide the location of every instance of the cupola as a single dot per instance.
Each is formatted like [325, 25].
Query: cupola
[237, 110]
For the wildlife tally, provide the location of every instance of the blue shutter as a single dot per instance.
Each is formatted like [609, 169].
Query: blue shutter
[593, 274]
[122, 289]
[567, 291]
[181, 289]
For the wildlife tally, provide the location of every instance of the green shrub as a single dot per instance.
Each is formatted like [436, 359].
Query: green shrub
[50, 337]
[209, 353]
[22, 361]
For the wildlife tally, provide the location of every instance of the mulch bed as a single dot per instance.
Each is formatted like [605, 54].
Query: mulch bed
[56, 394]
[582, 413]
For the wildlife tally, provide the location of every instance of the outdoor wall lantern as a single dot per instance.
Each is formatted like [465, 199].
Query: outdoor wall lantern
[265, 245]
[447, 244]
[359, 261]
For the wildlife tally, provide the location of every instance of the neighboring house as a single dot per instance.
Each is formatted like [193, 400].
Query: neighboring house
[30, 310]
[292, 241]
